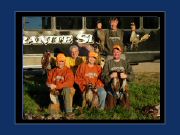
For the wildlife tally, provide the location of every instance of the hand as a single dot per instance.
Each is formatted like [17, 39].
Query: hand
[95, 90]
[52, 86]
[113, 75]
[54, 92]
[123, 75]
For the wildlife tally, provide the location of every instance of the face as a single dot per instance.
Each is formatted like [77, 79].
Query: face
[92, 60]
[60, 64]
[114, 24]
[74, 53]
[116, 54]
[133, 27]
[99, 25]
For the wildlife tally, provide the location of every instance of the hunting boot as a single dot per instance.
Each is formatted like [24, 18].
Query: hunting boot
[54, 109]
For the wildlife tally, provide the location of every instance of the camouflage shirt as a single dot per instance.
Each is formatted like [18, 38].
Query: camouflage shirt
[112, 65]
[112, 38]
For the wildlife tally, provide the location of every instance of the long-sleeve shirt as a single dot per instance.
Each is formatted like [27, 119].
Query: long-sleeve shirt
[86, 74]
[112, 65]
[61, 77]
[113, 38]
[74, 63]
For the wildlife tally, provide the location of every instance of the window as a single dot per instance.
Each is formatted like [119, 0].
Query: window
[46, 22]
[32, 23]
[91, 22]
[68, 22]
[150, 22]
[124, 22]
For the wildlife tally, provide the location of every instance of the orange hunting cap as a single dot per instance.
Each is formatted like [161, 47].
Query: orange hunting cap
[61, 57]
[93, 54]
[117, 47]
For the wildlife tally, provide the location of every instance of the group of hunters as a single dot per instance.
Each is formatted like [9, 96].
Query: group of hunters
[72, 74]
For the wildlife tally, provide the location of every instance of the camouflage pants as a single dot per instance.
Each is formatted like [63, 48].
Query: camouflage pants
[67, 95]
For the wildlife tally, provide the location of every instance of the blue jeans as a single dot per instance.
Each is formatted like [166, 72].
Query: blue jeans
[102, 97]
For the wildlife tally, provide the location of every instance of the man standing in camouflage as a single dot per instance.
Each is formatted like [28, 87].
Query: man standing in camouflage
[113, 36]
[99, 37]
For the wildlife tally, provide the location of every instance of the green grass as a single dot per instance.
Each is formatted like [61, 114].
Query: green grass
[144, 91]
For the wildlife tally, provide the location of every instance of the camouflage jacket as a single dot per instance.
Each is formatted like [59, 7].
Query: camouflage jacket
[111, 66]
[112, 38]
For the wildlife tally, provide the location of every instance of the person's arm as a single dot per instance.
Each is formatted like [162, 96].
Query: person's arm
[105, 73]
[49, 81]
[99, 82]
[129, 72]
[79, 77]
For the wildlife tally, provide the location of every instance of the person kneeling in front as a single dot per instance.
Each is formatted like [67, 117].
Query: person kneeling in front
[60, 81]
[89, 74]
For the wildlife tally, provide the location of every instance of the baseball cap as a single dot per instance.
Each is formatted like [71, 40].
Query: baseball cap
[117, 47]
[61, 57]
[93, 54]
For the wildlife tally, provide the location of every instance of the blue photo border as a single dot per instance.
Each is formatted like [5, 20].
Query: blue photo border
[19, 50]
[171, 65]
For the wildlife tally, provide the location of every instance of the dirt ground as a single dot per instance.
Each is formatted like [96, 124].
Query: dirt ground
[147, 72]
[147, 67]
